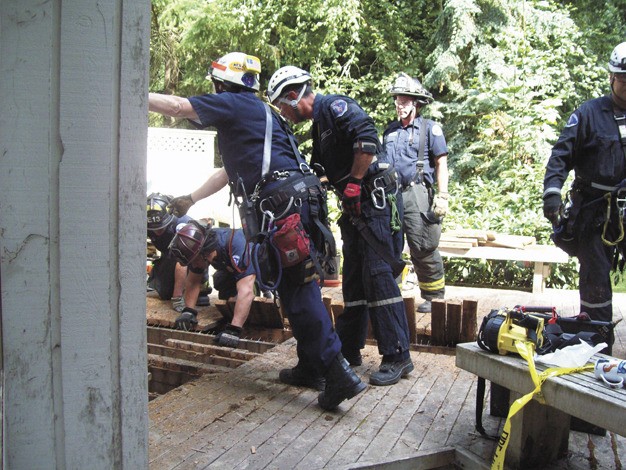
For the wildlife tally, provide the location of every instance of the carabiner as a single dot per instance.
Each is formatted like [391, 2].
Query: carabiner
[382, 198]
[620, 202]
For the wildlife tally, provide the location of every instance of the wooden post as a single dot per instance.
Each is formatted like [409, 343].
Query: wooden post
[453, 323]
[224, 309]
[336, 309]
[327, 303]
[409, 308]
[468, 322]
[438, 322]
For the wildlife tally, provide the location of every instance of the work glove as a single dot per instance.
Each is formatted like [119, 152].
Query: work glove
[229, 337]
[187, 320]
[351, 198]
[180, 205]
[440, 206]
[551, 207]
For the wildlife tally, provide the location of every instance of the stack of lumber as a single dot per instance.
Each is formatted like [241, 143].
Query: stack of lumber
[468, 238]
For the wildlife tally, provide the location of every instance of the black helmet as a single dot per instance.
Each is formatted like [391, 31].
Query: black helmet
[211, 242]
[188, 242]
[406, 85]
[158, 216]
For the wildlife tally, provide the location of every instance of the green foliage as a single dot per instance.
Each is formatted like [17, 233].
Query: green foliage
[505, 74]
[529, 74]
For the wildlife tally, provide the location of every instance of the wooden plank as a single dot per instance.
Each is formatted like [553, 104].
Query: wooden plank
[511, 241]
[541, 253]
[194, 356]
[450, 244]
[211, 349]
[158, 335]
[481, 235]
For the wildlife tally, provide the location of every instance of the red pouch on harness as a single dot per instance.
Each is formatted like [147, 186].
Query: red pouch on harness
[291, 241]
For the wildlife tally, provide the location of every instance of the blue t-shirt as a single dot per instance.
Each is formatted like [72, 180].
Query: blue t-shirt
[232, 246]
[240, 120]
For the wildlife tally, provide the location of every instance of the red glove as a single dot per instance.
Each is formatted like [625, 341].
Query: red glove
[351, 199]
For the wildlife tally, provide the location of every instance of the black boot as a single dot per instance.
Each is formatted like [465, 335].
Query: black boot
[301, 376]
[353, 357]
[341, 384]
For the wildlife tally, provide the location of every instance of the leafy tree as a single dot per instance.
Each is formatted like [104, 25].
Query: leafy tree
[506, 74]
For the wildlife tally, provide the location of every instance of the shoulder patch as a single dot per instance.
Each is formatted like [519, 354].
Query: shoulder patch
[339, 107]
[437, 130]
[572, 121]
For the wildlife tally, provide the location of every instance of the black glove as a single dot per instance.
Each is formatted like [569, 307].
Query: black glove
[229, 337]
[551, 207]
[351, 198]
[187, 320]
[180, 205]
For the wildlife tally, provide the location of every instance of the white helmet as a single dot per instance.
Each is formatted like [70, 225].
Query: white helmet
[406, 85]
[283, 77]
[236, 68]
[617, 62]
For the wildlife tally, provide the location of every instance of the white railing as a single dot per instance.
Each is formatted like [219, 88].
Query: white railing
[179, 161]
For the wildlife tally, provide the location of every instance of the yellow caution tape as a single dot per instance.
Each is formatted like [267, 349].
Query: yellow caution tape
[526, 349]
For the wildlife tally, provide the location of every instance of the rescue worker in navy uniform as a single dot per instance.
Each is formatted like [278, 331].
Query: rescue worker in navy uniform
[590, 145]
[346, 145]
[242, 121]
[197, 247]
[419, 152]
[168, 277]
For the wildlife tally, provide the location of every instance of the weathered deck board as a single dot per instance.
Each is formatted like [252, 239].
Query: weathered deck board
[246, 418]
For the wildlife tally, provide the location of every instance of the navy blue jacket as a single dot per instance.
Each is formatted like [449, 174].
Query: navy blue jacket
[338, 123]
[589, 144]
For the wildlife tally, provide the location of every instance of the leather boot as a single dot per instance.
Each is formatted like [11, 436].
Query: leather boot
[353, 357]
[341, 384]
[302, 377]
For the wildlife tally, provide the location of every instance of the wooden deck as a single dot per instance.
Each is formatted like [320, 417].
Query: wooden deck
[245, 418]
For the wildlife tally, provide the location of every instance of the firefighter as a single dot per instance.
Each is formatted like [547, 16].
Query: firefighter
[346, 146]
[418, 149]
[168, 277]
[270, 182]
[592, 144]
[224, 249]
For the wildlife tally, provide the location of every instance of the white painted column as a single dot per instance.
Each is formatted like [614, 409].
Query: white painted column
[73, 95]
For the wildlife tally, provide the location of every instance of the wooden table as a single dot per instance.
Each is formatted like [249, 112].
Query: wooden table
[540, 433]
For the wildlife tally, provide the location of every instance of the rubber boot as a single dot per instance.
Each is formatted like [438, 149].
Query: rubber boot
[341, 384]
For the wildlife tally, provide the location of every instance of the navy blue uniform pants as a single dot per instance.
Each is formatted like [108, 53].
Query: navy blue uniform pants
[370, 291]
[318, 343]
[595, 260]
